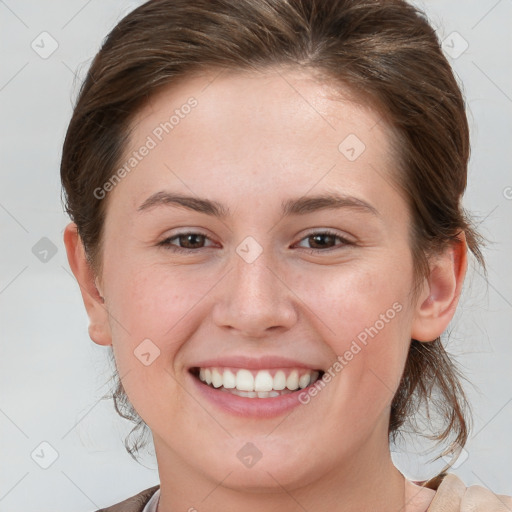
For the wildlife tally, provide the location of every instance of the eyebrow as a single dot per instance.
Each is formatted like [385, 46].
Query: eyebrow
[301, 206]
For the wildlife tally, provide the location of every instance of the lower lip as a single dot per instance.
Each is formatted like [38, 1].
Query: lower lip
[250, 407]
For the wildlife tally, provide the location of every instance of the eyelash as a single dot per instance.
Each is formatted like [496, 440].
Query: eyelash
[167, 242]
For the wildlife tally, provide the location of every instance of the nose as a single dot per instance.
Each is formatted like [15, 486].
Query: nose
[254, 299]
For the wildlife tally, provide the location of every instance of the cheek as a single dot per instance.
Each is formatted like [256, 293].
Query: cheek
[365, 318]
[155, 301]
[150, 316]
[358, 301]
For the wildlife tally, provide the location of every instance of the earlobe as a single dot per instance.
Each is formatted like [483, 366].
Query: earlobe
[436, 307]
[99, 328]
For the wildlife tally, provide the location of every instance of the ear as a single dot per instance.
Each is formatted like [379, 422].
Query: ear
[99, 327]
[436, 306]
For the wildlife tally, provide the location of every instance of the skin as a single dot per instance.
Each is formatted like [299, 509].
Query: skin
[254, 140]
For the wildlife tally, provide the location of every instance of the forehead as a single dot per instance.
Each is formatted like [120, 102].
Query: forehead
[268, 100]
[231, 131]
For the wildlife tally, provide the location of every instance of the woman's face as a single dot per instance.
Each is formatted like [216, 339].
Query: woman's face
[268, 162]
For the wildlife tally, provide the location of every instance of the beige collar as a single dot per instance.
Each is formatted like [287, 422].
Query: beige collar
[453, 496]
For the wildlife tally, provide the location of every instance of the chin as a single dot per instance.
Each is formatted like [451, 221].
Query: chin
[265, 469]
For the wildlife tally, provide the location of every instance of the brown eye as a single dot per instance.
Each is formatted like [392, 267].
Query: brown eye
[325, 240]
[191, 241]
[188, 242]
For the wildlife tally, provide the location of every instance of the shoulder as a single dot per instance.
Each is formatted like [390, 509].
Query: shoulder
[135, 503]
[452, 495]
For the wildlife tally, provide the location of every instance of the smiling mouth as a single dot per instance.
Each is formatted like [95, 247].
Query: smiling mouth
[264, 383]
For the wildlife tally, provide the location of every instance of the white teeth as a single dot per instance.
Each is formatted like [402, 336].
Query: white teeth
[263, 381]
[246, 394]
[279, 380]
[292, 382]
[229, 379]
[304, 380]
[244, 380]
[216, 378]
[260, 383]
[256, 394]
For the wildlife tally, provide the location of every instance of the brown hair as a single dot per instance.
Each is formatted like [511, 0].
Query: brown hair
[384, 51]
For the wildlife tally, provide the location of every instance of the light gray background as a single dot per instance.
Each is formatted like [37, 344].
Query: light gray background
[52, 375]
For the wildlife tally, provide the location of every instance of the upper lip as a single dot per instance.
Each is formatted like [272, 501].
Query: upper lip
[252, 363]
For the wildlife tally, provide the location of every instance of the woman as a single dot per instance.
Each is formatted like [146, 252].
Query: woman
[268, 231]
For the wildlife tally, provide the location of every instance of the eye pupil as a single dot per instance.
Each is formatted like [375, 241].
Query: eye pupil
[191, 239]
[322, 236]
